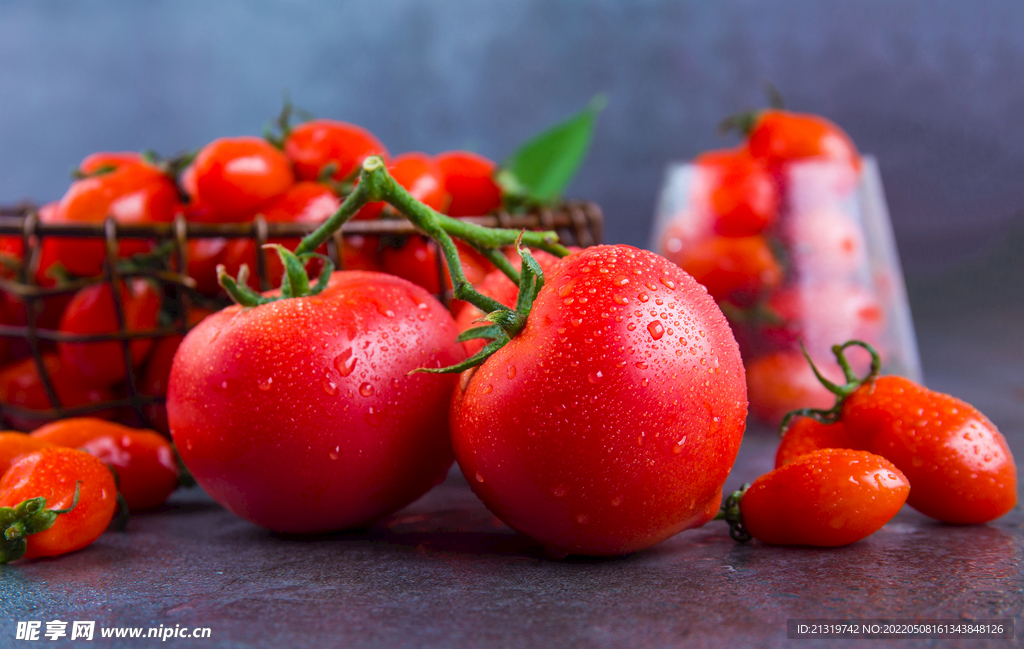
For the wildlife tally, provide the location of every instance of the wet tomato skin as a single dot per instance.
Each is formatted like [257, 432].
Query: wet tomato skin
[52, 473]
[346, 435]
[959, 463]
[13, 445]
[612, 420]
[827, 498]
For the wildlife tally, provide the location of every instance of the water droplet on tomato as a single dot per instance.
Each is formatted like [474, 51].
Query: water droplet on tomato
[575, 321]
[631, 326]
[335, 453]
[511, 372]
[643, 297]
[559, 490]
[345, 362]
[374, 418]
[487, 389]
[582, 519]
[479, 478]
[620, 299]
[329, 387]
[656, 330]
[668, 283]
[366, 389]
[595, 377]
[616, 501]
[620, 280]
[640, 365]
[266, 383]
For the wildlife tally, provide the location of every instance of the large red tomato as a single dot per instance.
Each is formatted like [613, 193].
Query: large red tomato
[300, 415]
[612, 420]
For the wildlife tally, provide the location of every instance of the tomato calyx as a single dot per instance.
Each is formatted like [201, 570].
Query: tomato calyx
[25, 519]
[733, 515]
[831, 415]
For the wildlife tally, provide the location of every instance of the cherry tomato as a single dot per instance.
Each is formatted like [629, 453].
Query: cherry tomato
[612, 420]
[826, 498]
[958, 461]
[203, 257]
[132, 194]
[780, 136]
[469, 178]
[147, 471]
[236, 176]
[782, 381]
[805, 435]
[158, 370]
[14, 445]
[53, 474]
[315, 144]
[497, 285]
[107, 160]
[416, 260]
[304, 202]
[359, 252]
[346, 434]
[737, 269]
[742, 192]
[92, 311]
[21, 386]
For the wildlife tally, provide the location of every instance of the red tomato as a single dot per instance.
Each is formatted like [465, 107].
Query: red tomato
[147, 471]
[805, 435]
[21, 386]
[421, 176]
[133, 194]
[783, 381]
[780, 136]
[92, 311]
[236, 176]
[304, 202]
[416, 260]
[203, 257]
[53, 473]
[958, 461]
[359, 252]
[346, 434]
[158, 369]
[612, 420]
[827, 498]
[737, 269]
[14, 445]
[95, 162]
[497, 285]
[315, 144]
[469, 178]
[743, 196]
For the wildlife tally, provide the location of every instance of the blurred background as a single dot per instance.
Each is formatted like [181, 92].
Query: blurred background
[930, 88]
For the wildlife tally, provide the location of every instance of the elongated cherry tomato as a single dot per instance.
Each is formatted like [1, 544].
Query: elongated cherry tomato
[53, 474]
[144, 460]
[469, 179]
[957, 460]
[21, 386]
[805, 435]
[13, 445]
[133, 194]
[611, 421]
[92, 311]
[827, 498]
[315, 144]
[236, 176]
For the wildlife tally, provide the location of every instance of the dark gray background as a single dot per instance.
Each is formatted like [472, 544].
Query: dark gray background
[932, 88]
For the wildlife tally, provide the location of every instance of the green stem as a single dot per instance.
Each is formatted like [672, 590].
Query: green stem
[733, 515]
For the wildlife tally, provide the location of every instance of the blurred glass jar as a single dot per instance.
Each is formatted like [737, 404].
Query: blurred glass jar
[818, 266]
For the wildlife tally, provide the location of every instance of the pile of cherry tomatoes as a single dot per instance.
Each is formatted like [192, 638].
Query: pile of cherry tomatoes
[302, 179]
[770, 230]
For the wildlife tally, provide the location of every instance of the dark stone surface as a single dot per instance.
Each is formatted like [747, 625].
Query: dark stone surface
[445, 573]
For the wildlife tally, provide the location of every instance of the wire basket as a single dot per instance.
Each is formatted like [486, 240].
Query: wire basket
[577, 223]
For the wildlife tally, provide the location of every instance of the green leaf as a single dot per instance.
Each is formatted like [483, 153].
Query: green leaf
[543, 167]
